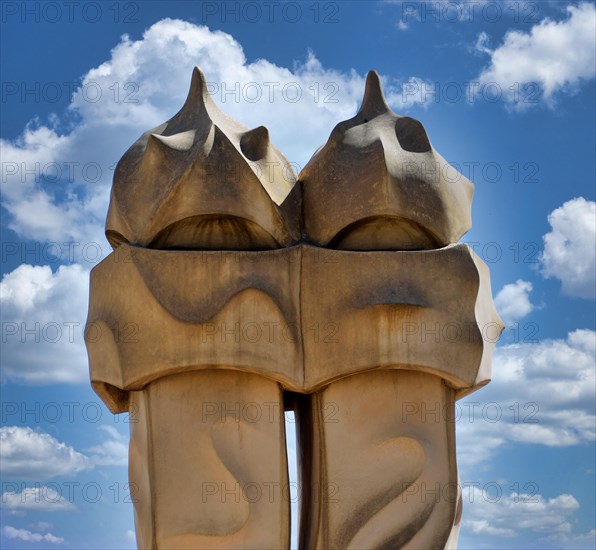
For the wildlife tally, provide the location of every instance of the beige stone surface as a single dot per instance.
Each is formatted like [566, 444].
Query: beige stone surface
[380, 461]
[283, 314]
[202, 180]
[208, 461]
[378, 184]
[376, 310]
[236, 290]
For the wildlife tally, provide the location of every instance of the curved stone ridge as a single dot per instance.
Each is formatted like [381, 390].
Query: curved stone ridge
[203, 181]
[378, 184]
[281, 314]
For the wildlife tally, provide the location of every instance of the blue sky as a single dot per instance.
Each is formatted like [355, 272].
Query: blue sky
[506, 93]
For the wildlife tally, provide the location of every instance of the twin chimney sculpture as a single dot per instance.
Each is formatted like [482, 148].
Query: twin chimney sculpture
[237, 290]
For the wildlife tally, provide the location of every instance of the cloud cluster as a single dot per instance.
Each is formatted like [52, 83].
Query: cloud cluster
[570, 247]
[55, 187]
[542, 393]
[551, 57]
[28, 536]
[513, 301]
[43, 318]
[36, 499]
[35, 455]
[28, 454]
[511, 514]
[112, 451]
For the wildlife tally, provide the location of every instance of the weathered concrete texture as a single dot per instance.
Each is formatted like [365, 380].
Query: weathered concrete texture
[208, 467]
[368, 442]
[235, 292]
[378, 184]
[203, 181]
[284, 315]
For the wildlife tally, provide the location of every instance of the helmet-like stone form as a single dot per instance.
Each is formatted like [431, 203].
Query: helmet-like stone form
[203, 181]
[378, 184]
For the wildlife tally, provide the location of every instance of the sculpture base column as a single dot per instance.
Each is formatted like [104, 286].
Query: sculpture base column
[380, 463]
[208, 465]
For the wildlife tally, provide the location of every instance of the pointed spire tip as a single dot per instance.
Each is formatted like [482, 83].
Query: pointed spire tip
[373, 102]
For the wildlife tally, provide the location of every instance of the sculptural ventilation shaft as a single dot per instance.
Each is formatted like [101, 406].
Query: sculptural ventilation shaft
[236, 291]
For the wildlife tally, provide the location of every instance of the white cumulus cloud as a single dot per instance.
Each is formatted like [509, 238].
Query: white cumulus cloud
[35, 499]
[570, 247]
[43, 318]
[28, 536]
[112, 451]
[513, 301]
[54, 186]
[551, 57]
[496, 512]
[28, 454]
[542, 393]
